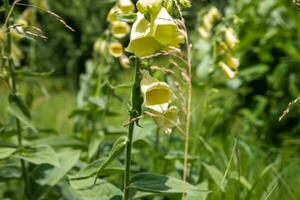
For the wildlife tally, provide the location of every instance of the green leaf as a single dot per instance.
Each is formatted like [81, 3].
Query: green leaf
[10, 171]
[96, 140]
[41, 154]
[116, 150]
[61, 141]
[85, 189]
[114, 167]
[216, 175]
[157, 183]
[46, 176]
[18, 108]
[6, 152]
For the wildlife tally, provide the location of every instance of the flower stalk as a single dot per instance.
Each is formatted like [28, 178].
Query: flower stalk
[134, 113]
[189, 99]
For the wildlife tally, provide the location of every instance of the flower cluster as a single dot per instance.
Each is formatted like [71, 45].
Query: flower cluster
[119, 30]
[209, 20]
[154, 29]
[229, 63]
[157, 99]
[226, 38]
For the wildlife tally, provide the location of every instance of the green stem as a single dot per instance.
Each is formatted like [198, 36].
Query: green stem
[135, 112]
[15, 91]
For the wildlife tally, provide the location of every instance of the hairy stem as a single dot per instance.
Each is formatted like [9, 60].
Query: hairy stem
[189, 99]
[134, 113]
[13, 88]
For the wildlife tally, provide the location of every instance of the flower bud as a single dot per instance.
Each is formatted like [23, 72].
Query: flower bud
[116, 49]
[120, 29]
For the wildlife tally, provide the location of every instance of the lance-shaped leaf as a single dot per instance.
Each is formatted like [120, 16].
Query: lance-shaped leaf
[157, 183]
[41, 154]
[116, 150]
[19, 109]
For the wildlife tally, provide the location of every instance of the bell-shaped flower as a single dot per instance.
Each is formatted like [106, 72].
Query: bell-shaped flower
[229, 73]
[112, 14]
[126, 6]
[149, 6]
[204, 33]
[116, 49]
[167, 120]
[210, 18]
[231, 38]
[157, 95]
[142, 43]
[164, 29]
[120, 29]
[232, 62]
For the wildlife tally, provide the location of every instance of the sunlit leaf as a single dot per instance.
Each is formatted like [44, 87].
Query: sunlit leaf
[157, 183]
[41, 154]
[6, 152]
[18, 108]
[116, 150]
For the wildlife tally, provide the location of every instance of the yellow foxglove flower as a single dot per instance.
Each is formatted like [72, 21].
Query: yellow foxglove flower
[126, 6]
[204, 33]
[149, 6]
[210, 18]
[167, 120]
[141, 42]
[157, 95]
[232, 62]
[112, 15]
[230, 38]
[116, 49]
[120, 29]
[229, 73]
[164, 29]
